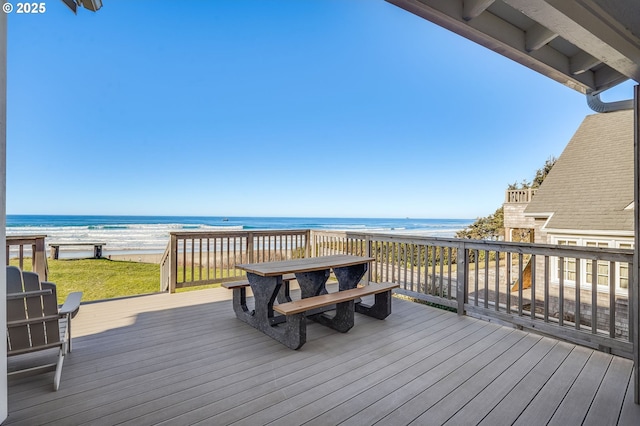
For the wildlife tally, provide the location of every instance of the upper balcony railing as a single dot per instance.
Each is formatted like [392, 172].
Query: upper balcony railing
[519, 195]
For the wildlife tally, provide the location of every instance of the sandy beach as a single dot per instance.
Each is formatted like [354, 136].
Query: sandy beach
[136, 257]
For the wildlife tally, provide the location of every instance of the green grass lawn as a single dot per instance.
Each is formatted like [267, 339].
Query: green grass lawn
[101, 279]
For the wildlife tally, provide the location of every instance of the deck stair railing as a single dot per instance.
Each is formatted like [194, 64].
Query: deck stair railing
[30, 252]
[197, 258]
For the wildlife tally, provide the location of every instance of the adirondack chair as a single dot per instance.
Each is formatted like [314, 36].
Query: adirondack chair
[35, 322]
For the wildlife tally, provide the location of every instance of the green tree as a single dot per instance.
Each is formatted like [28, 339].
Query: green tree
[492, 227]
[542, 172]
[485, 228]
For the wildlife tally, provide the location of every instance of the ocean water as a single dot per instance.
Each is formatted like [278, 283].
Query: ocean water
[150, 234]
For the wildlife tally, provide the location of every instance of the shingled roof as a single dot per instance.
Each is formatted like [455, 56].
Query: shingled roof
[591, 185]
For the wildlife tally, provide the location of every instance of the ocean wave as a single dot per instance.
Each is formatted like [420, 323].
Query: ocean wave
[107, 227]
[153, 233]
[117, 237]
[222, 228]
[344, 226]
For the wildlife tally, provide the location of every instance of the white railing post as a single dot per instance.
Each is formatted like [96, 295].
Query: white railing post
[250, 247]
[367, 242]
[634, 290]
[461, 278]
[173, 270]
[40, 259]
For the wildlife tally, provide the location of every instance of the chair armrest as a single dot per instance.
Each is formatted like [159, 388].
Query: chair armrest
[71, 304]
[26, 294]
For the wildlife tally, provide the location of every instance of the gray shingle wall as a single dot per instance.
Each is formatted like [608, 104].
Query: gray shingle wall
[592, 182]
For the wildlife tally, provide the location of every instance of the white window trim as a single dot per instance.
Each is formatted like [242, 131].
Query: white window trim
[581, 241]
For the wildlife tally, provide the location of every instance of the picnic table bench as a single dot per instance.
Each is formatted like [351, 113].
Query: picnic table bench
[97, 248]
[284, 294]
[266, 281]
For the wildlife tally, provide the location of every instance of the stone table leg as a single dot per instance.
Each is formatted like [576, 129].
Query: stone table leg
[291, 331]
[349, 276]
[312, 283]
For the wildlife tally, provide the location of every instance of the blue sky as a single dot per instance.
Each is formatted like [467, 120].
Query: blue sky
[338, 108]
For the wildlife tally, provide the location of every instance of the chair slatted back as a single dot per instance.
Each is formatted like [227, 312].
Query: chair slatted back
[40, 311]
[18, 336]
[44, 306]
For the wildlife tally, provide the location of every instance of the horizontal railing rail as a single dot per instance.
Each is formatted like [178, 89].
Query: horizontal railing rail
[200, 258]
[579, 294]
[28, 248]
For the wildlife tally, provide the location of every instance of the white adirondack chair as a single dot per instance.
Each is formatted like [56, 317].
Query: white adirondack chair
[35, 322]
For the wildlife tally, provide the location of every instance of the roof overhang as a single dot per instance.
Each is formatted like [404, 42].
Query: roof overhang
[588, 45]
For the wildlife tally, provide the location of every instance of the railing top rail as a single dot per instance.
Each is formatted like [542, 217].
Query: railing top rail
[237, 233]
[16, 238]
[389, 237]
[615, 254]
[552, 250]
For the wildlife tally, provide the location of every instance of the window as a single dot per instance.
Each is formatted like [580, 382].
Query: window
[623, 269]
[602, 267]
[567, 268]
[569, 264]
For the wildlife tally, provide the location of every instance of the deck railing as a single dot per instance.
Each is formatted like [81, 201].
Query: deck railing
[547, 288]
[519, 195]
[197, 258]
[29, 248]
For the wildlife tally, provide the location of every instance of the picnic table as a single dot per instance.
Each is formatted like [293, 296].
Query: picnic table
[289, 328]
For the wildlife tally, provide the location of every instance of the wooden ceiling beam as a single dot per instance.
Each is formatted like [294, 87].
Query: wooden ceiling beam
[582, 62]
[588, 29]
[537, 36]
[500, 36]
[473, 8]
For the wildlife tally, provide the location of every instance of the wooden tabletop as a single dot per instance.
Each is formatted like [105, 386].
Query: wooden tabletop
[270, 269]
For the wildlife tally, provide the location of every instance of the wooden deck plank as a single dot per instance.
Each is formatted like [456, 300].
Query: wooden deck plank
[372, 372]
[315, 373]
[583, 390]
[630, 412]
[452, 385]
[423, 387]
[223, 394]
[511, 405]
[185, 358]
[610, 395]
[453, 401]
[116, 389]
[544, 403]
[483, 403]
[112, 393]
[361, 393]
[125, 370]
[192, 389]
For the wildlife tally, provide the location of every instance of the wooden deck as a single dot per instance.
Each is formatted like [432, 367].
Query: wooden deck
[185, 359]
